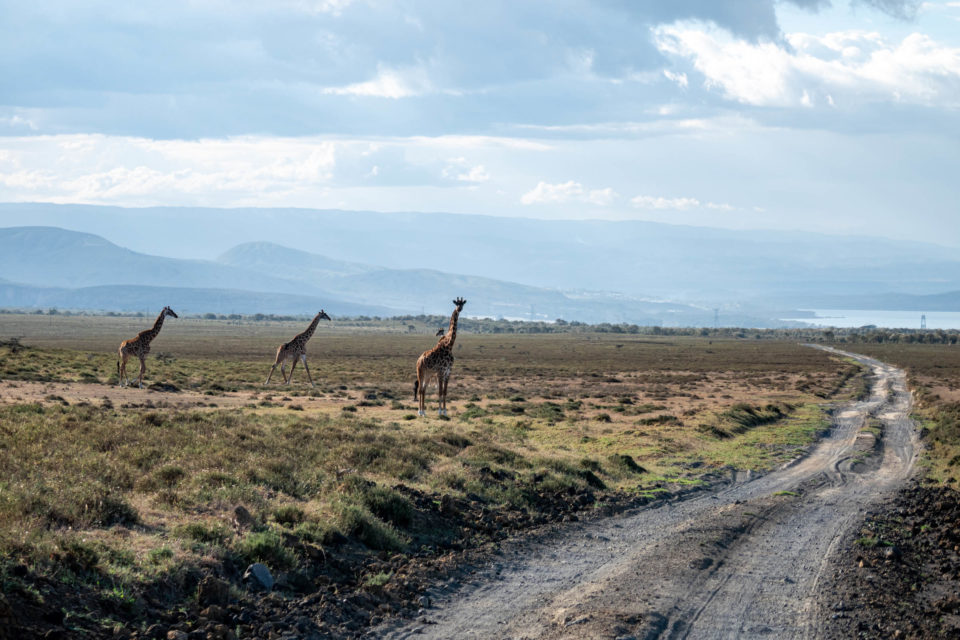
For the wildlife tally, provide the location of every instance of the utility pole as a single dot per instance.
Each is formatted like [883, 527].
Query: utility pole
[923, 321]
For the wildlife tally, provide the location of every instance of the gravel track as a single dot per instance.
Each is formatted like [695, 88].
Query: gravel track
[743, 560]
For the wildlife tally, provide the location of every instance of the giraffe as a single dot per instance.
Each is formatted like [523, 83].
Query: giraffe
[296, 349]
[140, 347]
[437, 362]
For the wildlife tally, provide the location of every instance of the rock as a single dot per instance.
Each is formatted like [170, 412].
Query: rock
[448, 506]
[242, 519]
[258, 576]
[892, 553]
[424, 601]
[215, 613]
[154, 632]
[176, 634]
[212, 591]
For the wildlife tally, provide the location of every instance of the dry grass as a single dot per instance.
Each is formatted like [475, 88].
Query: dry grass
[136, 487]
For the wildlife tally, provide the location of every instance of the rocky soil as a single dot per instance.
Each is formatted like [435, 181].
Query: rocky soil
[898, 575]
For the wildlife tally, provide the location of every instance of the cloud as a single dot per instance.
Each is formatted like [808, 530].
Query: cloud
[660, 203]
[388, 83]
[810, 70]
[679, 78]
[459, 169]
[903, 9]
[566, 192]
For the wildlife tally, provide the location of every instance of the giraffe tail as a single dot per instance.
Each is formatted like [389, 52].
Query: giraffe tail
[416, 387]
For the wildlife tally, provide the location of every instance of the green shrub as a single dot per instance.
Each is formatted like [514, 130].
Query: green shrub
[266, 547]
[625, 463]
[213, 533]
[288, 514]
[171, 475]
[356, 521]
[159, 555]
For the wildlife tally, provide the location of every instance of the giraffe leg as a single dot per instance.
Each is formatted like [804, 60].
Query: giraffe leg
[442, 393]
[303, 357]
[143, 370]
[122, 368]
[293, 366]
[421, 393]
[274, 368]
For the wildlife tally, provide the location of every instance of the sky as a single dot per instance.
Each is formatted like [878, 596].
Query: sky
[836, 116]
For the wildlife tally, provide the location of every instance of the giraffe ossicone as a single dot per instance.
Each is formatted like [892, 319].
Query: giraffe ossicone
[296, 350]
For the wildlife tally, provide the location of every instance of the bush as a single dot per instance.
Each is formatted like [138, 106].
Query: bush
[200, 532]
[266, 547]
[288, 514]
[383, 502]
[625, 463]
[356, 521]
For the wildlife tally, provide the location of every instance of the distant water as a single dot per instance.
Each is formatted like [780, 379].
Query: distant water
[844, 318]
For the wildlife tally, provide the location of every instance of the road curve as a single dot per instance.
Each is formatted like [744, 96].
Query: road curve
[741, 561]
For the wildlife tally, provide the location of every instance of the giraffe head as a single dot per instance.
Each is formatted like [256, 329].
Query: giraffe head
[167, 311]
[459, 302]
[323, 315]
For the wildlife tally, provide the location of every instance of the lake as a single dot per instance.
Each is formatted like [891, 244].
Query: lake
[844, 318]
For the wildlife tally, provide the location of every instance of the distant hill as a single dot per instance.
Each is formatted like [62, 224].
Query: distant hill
[48, 267]
[283, 262]
[50, 257]
[183, 300]
[639, 259]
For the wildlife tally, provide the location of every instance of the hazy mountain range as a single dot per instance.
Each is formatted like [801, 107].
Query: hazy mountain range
[48, 267]
[385, 263]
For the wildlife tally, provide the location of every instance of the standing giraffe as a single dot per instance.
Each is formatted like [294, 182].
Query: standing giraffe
[140, 347]
[296, 349]
[438, 362]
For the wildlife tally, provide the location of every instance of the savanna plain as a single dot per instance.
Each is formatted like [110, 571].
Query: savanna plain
[129, 512]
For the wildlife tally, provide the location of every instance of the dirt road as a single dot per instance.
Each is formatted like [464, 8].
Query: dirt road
[744, 560]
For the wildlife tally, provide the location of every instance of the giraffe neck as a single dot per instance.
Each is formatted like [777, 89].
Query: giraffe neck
[308, 333]
[156, 327]
[451, 335]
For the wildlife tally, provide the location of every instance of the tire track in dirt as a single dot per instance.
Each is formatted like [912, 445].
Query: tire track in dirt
[743, 560]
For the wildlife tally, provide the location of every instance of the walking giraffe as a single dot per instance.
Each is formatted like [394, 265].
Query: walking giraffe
[140, 347]
[296, 349]
[438, 362]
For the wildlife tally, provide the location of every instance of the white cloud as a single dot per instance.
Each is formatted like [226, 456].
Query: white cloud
[103, 169]
[334, 7]
[679, 78]
[545, 193]
[388, 83]
[721, 206]
[660, 203]
[18, 122]
[602, 197]
[854, 65]
[459, 169]
[564, 192]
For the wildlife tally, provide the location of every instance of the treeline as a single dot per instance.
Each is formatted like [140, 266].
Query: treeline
[421, 322]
